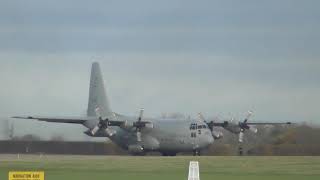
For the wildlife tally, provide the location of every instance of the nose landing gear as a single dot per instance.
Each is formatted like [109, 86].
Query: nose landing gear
[196, 152]
[240, 149]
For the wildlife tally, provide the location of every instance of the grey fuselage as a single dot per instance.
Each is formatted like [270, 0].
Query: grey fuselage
[166, 135]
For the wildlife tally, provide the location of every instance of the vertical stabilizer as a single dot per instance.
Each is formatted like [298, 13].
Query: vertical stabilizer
[97, 93]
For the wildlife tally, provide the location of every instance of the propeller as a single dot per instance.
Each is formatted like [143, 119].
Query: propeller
[102, 124]
[139, 125]
[244, 126]
[211, 124]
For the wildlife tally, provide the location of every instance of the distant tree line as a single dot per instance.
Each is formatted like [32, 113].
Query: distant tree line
[272, 140]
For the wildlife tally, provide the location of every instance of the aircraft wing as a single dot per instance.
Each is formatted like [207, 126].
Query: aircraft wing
[225, 123]
[68, 119]
[220, 123]
[267, 123]
[56, 119]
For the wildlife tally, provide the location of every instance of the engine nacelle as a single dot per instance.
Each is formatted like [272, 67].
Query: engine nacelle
[129, 125]
[102, 133]
[149, 125]
[217, 135]
[135, 149]
[110, 132]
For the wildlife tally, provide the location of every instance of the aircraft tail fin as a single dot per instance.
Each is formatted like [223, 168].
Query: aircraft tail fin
[97, 93]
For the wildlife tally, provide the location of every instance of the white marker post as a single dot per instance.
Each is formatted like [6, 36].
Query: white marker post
[194, 171]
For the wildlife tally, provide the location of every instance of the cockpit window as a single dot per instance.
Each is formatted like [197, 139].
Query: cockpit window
[202, 126]
[193, 126]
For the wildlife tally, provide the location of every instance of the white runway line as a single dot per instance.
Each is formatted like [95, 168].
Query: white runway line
[194, 171]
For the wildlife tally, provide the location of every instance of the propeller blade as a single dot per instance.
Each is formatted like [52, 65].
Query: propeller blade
[248, 116]
[139, 125]
[141, 114]
[241, 136]
[110, 132]
[95, 130]
[217, 135]
[138, 136]
[101, 123]
[210, 124]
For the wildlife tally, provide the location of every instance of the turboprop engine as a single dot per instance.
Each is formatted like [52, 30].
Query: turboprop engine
[217, 135]
[102, 127]
[140, 124]
[135, 149]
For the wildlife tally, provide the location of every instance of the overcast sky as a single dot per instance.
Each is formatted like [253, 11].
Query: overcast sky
[221, 58]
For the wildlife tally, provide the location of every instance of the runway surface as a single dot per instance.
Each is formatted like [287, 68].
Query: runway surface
[176, 168]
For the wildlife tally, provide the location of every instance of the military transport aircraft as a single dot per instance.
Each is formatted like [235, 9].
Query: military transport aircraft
[138, 134]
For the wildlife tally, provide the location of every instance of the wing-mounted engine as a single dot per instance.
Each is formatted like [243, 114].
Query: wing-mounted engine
[140, 124]
[211, 124]
[241, 127]
[135, 149]
[217, 134]
[101, 129]
[245, 126]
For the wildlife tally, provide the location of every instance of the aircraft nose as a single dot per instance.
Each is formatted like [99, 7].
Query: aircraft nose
[210, 139]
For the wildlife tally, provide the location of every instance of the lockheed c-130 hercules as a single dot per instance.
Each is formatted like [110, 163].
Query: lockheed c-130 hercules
[139, 135]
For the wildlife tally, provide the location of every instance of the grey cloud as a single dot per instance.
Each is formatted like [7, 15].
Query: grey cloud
[220, 27]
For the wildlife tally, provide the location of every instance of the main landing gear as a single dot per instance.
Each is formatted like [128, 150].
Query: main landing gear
[240, 149]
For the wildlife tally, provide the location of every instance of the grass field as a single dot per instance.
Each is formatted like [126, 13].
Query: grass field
[58, 167]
